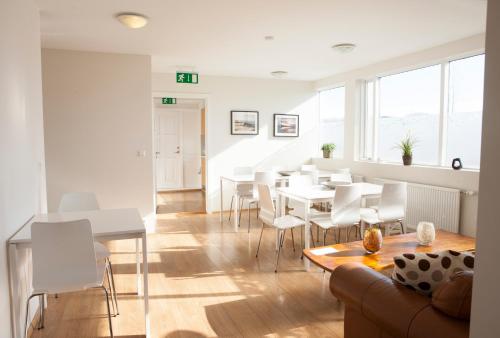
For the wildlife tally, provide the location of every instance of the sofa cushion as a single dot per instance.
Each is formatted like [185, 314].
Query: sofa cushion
[424, 272]
[454, 297]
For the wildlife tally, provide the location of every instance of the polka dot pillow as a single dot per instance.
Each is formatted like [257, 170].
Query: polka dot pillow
[424, 272]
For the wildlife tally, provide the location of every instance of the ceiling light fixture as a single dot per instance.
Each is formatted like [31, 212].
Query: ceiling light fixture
[279, 74]
[132, 20]
[269, 38]
[344, 48]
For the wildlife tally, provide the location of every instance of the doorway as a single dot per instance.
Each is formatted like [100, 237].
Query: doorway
[179, 142]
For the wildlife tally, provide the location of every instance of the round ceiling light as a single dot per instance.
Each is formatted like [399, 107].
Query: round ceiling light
[344, 48]
[132, 20]
[269, 38]
[279, 74]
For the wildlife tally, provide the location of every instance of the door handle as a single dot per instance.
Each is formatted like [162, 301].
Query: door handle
[178, 152]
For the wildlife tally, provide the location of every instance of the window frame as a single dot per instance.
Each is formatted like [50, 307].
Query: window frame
[323, 89]
[371, 155]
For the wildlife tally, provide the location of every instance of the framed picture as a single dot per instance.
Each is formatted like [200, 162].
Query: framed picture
[244, 122]
[286, 125]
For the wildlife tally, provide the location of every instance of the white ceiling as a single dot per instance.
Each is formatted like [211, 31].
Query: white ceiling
[226, 37]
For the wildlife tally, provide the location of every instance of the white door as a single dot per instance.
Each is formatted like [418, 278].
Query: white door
[168, 150]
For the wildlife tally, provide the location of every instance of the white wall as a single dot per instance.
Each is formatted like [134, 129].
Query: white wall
[464, 179]
[268, 96]
[98, 115]
[22, 167]
[486, 296]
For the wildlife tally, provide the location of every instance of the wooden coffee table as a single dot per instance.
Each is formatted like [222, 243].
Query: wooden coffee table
[332, 256]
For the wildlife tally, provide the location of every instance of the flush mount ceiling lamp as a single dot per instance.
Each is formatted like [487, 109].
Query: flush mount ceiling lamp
[279, 74]
[344, 48]
[132, 20]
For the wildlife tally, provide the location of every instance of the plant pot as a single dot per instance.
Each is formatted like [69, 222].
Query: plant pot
[372, 240]
[326, 154]
[407, 159]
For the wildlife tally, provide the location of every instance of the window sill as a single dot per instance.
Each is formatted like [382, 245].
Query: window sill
[425, 166]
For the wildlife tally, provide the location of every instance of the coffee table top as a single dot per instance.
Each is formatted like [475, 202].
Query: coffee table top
[332, 256]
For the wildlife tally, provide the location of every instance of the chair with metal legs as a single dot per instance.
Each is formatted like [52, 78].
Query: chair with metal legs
[267, 215]
[345, 212]
[244, 191]
[64, 260]
[391, 208]
[85, 201]
[262, 177]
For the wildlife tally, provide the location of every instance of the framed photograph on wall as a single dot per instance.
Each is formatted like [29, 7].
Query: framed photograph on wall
[244, 122]
[286, 125]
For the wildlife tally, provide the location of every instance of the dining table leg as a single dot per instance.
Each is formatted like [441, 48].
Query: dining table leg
[145, 287]
[138, 266]
[221, 212]
[236, 209]
[307, 232]
[281, 210]
[14, 292]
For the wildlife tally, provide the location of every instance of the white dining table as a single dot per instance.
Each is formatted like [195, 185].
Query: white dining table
[107, 224]
[317, 194]
[236, 180]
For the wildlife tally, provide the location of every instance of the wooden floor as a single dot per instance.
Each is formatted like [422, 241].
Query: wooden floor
[205, 282]
[180, 201]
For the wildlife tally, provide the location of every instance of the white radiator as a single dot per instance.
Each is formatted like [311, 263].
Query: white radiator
[438, 205]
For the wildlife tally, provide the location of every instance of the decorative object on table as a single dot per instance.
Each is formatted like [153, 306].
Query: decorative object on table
[426, 233]
[406, 146]
[372, 240]
[328, 149]
[286, 125]
[244, 122]
[456, 164]
[426, 271]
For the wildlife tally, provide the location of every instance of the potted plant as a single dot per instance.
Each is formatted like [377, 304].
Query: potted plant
[406, 146]
[328, 148]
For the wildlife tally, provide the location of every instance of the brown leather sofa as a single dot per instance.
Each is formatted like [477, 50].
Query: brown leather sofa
[377, 307]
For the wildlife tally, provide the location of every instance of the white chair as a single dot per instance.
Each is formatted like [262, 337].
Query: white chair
[340, 179]
[85, 201]
[267, 215]
[342, 171]
[244, 191]
[308, 167]
[64, 261]
[261, 177]
[391, 208]
[345, 211]
[314, 173]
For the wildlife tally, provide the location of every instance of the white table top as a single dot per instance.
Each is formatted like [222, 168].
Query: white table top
[320, 192]
[251, 178]
[105, 223]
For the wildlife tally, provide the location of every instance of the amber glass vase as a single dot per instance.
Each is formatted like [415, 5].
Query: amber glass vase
[372, 241]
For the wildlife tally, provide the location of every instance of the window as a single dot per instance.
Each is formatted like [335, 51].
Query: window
[465, 111]
[410, 104]
[439, 105]
[331, 112]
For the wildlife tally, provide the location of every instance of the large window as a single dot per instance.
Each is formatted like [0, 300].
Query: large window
[332, 111]
[465, 111]
[440, 106]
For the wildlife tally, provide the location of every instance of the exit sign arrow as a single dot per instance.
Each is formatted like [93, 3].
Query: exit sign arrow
[182, 77]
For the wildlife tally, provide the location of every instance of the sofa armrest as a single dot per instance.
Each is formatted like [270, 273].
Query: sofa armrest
[390, 306]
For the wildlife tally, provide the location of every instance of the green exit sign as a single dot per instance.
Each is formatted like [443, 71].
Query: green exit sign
[168, 100]
[187, 77]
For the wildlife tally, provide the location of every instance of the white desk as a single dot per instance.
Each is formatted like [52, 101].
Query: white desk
[112, 224]
[236, 180]
[317, 194]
